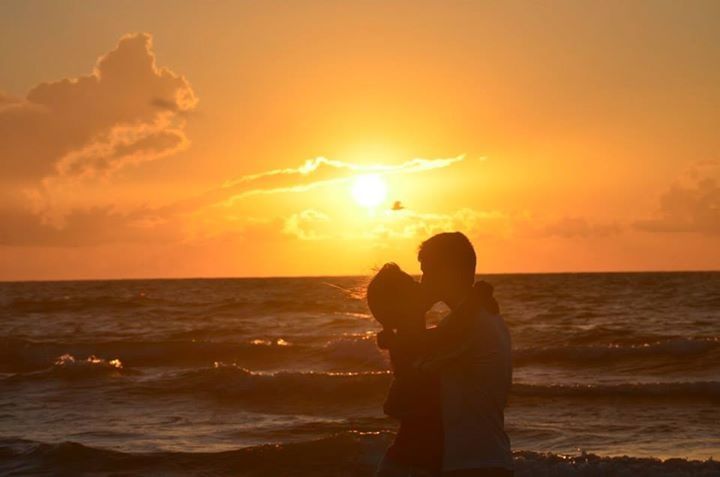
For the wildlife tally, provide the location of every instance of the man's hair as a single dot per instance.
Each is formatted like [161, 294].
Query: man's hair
[382, 291]
[452, 249]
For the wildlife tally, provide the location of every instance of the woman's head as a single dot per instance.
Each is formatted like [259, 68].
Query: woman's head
[395, 299]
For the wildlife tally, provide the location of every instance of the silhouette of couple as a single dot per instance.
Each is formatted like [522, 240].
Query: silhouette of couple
[451, 382]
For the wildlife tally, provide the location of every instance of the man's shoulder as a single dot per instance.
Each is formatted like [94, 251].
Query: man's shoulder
[489, 329]
[483, 317]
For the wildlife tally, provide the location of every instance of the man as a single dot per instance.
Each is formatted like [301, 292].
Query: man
[472, 359]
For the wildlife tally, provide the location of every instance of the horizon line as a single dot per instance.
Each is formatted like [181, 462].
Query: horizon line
[268, 277]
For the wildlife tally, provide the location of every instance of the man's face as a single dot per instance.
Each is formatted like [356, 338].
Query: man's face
[433, 281]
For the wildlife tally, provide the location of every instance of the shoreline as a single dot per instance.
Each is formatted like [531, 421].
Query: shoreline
[350, 453]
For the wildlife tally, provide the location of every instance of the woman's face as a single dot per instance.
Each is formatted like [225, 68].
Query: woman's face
[397, 300]
[411, 305]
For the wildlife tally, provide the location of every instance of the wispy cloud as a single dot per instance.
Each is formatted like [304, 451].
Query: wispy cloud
[323, 171]
[314, 165]
[187, 218]
[312, 174]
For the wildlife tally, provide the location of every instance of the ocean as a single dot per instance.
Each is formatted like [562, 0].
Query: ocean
[614, 374]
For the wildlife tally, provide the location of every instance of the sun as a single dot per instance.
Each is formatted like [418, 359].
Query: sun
[369, 190]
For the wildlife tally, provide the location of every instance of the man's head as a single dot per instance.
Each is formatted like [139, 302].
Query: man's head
[448, 265]
[395, 298]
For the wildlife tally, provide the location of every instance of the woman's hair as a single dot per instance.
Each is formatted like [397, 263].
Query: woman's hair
[384, 290]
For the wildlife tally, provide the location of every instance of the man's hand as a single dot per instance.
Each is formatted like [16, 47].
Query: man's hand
[484, 293]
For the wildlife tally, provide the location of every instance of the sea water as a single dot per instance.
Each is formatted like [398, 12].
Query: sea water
[281, 376]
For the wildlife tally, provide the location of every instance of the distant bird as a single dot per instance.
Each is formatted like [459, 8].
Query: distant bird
[397, 205]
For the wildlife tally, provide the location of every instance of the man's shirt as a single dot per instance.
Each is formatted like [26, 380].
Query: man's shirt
[473, 358]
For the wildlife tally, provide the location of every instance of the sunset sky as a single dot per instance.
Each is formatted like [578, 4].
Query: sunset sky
[186, 139]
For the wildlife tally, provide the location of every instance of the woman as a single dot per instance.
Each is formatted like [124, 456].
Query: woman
[396, 301]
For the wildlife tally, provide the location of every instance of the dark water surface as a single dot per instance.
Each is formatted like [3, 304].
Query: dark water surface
[175, 376]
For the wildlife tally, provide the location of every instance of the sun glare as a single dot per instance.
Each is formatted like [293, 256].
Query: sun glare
[369, 190]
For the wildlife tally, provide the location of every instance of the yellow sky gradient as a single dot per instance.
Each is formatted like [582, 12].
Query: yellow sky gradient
[183, 139]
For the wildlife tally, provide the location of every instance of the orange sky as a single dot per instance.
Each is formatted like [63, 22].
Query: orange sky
[176, 139]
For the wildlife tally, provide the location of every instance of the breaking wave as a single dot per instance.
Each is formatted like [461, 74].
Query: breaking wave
[347, 454]
[354, 353]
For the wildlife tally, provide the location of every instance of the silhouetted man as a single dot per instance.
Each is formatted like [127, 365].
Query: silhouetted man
[473, 360]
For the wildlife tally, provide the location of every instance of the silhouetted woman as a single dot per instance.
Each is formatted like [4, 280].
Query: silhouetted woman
[396, 301]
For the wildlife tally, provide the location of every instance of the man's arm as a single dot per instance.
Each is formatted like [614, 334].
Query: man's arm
[448, 342]
[433, 347]
[442, 347]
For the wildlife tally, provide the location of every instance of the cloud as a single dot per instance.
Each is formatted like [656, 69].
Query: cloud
[409, 224]
[312, 224]
[399, 224]
[121, 146]
[320, 171]
[189, 219]
[126, 111]
[307, 225]
[313, 173]
[319, 165]
[73, 133]
[83, 227]
[692, 207]
[486, 224]
[89, 127]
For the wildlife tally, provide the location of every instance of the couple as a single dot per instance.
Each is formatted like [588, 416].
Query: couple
[451, 382]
